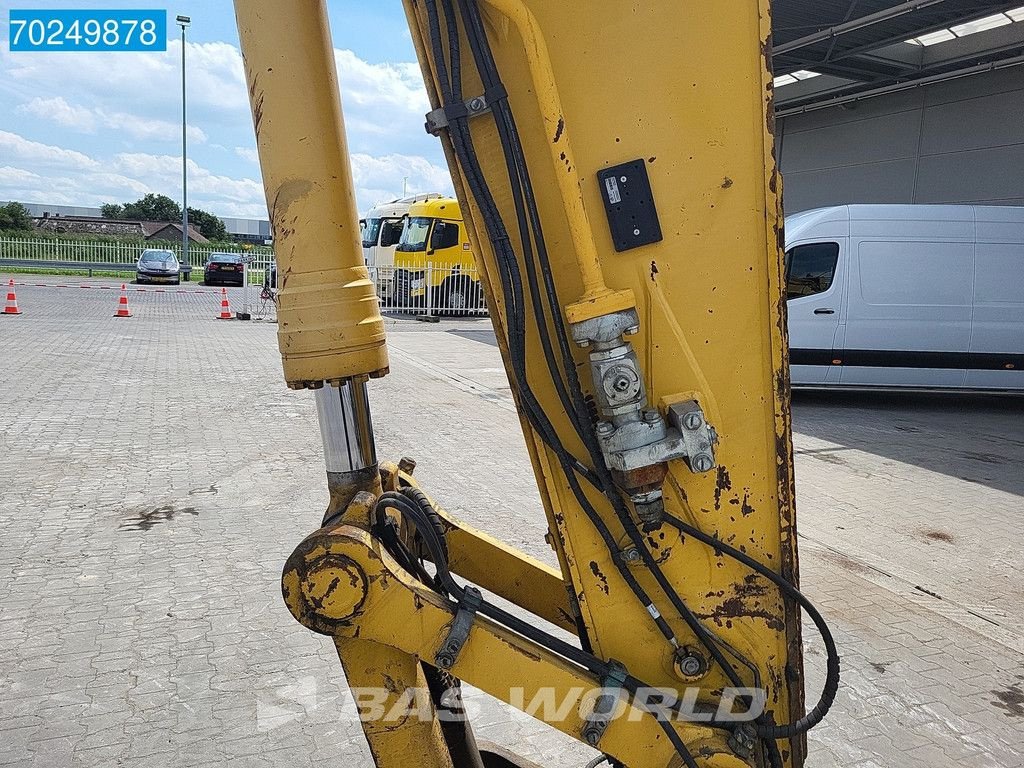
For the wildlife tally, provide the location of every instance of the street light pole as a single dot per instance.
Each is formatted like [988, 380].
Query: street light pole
[184, 21]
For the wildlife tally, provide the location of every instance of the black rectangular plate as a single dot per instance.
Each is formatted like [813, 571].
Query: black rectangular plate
[629, 203]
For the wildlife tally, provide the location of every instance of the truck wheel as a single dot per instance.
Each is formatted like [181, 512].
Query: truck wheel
[459, 296]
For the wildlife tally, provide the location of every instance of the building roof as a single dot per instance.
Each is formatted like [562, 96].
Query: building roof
[828, 52]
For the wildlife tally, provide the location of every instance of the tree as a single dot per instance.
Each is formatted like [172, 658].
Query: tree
[152, 208]
[15, 216]
[162, 208]
[211, 226]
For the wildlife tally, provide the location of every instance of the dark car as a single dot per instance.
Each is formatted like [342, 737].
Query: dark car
[156, 266]
[224, 269]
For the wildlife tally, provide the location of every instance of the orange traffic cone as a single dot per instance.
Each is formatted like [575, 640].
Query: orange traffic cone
[225, 308]
[11, 308]
[122, 303]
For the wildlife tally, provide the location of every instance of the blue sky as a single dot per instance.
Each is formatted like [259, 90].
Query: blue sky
[88, 128]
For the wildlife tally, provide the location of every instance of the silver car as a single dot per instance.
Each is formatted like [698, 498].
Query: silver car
[156, 266]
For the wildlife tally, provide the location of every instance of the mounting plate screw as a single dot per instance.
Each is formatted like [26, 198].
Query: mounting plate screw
[702, 463]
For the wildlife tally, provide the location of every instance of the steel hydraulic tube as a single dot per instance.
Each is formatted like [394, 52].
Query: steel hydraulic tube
[330, 328]
[330, 331]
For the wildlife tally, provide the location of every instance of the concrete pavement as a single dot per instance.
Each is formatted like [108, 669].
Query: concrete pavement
[156, 473]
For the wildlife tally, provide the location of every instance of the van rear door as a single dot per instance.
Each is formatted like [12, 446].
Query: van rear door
[908, 318]
[997, 338]
[815, 279]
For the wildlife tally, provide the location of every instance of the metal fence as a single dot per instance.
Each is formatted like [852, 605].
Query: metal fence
[409, 287]
[433, 289]
[88, 252]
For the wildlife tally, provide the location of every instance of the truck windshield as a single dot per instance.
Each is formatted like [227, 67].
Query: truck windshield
[414, 236]
[370, 232]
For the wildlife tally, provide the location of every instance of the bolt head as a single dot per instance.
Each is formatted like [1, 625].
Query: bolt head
[702, 463]
[693, 420]
[652, 416]
[690, 666]
[605, 428]
[633, 330]
[631, 555]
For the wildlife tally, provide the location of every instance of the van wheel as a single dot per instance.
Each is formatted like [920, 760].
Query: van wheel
[460, 296]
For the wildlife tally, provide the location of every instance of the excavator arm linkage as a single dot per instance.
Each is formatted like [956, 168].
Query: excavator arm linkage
[615, 166]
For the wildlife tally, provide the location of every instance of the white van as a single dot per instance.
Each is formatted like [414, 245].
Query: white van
[381, 230]
[916, 296]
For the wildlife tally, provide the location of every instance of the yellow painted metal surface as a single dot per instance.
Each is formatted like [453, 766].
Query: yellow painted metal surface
[686, 88]
[330, 328]
[406, 616]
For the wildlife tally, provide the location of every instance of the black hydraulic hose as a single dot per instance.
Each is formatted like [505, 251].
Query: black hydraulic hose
[463, 147]
[409, 504]
[831, 686]
[515, 160]
[517, 332]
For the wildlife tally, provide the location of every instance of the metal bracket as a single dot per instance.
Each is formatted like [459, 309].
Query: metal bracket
[698, 437]
[459, 632]
[604, 707]
[439, 119]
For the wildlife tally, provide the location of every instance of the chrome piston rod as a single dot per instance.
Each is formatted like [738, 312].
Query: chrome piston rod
[350, 453]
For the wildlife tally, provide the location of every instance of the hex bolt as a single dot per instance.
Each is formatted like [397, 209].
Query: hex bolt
[407, 465]
[702, 463]
[631, 555]
[633, 330]
[690, 666]
[605, 428]
[693, 420]
[652, 416]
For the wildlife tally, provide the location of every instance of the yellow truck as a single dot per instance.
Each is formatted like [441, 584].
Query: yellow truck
[434, 262]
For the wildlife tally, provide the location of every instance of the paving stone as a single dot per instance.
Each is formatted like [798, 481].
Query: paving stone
[157, 473]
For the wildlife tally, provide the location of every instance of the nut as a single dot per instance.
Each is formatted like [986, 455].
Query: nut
[652, 416]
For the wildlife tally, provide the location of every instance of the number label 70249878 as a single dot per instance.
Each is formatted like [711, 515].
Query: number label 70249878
[38, 29]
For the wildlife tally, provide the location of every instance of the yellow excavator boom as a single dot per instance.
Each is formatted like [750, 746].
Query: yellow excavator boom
[615, 166]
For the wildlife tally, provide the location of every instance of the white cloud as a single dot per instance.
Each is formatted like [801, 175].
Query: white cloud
[14, 146]
[86, 120]
[381, 178]
[380, 85]
[216, 80]
[248, 153]
[60, 112]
